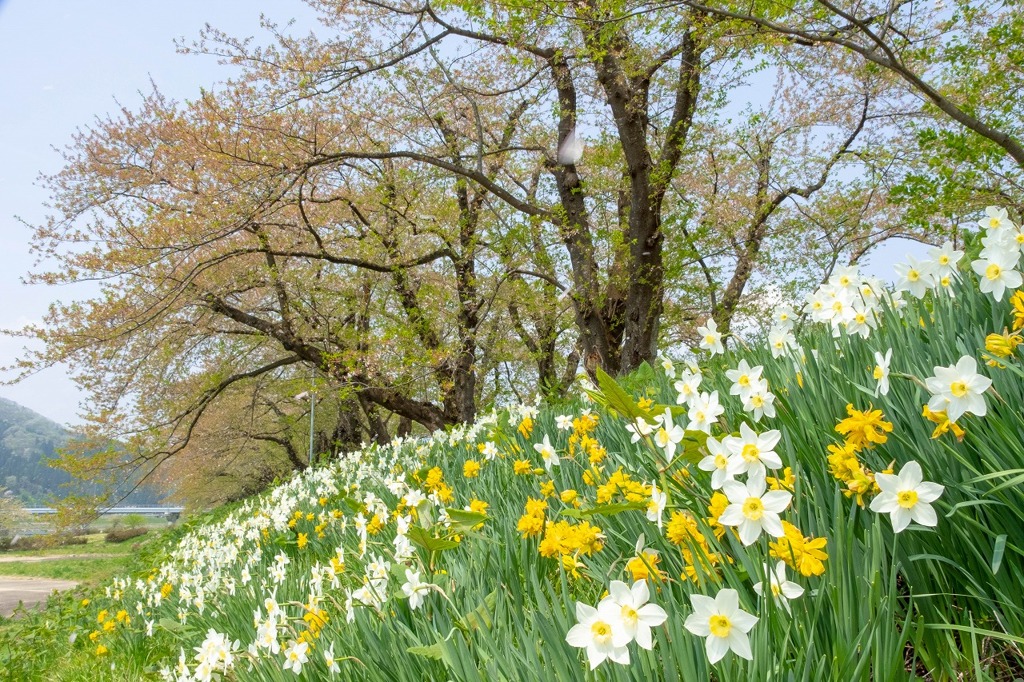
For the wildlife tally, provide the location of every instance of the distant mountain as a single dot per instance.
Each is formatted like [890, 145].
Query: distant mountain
[27, 441]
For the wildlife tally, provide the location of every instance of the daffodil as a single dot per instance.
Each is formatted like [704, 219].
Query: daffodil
[780, 589]
[881, 372]
[656, 507]
[711, 338]
[915, 277]
[636, 616]
[746, 379]
[414, 588]
[668, 434]
[958, 389]
[704, 411]
[752, 510]
[330, 661]
[295, 656]
[723, 623]
[752, 451]
[717, 462]
[996, 273]
[688, 386]
[547, 453]
[907, 497]
[600, 632]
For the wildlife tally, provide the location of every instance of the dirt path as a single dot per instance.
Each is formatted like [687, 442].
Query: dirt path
[53, 557]
[32, 591]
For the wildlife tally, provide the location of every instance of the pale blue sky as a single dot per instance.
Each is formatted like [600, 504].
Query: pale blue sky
[64, 62]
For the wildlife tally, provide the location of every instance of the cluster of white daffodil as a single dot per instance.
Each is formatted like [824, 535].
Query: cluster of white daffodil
[217, 561]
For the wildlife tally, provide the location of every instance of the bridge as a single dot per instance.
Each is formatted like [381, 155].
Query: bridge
[171, 513]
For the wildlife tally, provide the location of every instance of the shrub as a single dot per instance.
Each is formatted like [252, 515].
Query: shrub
[122, 534]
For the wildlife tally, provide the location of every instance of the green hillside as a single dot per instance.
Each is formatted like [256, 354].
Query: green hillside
[28, 441]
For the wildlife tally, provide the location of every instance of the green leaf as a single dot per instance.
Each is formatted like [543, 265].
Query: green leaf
[480, 617]
[464, 520]
[997, 552]
[423, 538]
[604, 510]
[617, 399]
[434, 651]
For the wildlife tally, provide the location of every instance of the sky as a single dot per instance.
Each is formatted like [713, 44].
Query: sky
[62, 64]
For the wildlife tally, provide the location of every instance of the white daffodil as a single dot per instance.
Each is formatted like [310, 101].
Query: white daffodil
[906, 497]
[704, 411]
[845, 277]
[668, 434]
[783, 317]
[781, 340]
[563, 422]
[490, 450]
[547, 453]
[914, 277]
[636, 616]
[752, 510]
[717, 462]
[669, 368]
[752, 451]
[656, 507]
[996, 273]
[295, 656]
[711, 338]
[600, 632]
[781, 590]
[640, 428]
[815, 306]
[881, 372]
[995, 219]
[862, 321]
[723, 623]
[838, 306]
[745, 378]
[944, 259]
[688, 386]
[958, 389]
[761, 403]
[414, 588]
[330, 661]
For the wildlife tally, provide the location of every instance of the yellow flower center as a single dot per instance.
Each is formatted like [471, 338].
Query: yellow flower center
[700, 417]
[750, 453]
[753, 508]
[993, 271]
[878, 373]
[757, 401]
[743, 380]
[945, 281]
[629, 615]
[837, 306]
[906, 498]
[844, 281]
[776, 589]
[601, 631]
[861, 318]
[710, 340]
[958, 389]
[913, 275]
[720, 626]
[721, 461]
[943, 259]
[994, 222]
[1020, 237]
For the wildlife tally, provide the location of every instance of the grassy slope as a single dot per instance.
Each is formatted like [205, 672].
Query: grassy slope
[938, 600]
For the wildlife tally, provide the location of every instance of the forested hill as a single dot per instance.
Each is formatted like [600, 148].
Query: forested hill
[27, 441]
